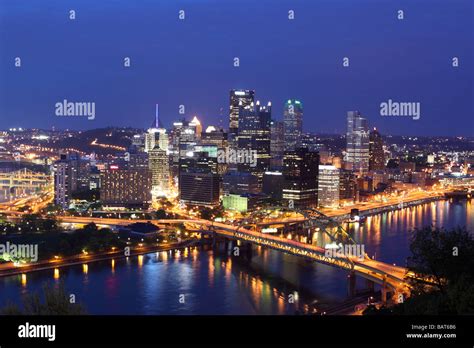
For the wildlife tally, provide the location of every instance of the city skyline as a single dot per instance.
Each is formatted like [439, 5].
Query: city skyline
[198, 75]
[215, 159]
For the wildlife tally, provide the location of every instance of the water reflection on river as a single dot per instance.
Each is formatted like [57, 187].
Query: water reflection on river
[214, 283]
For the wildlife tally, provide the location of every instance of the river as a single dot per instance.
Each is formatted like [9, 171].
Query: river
[202, 281]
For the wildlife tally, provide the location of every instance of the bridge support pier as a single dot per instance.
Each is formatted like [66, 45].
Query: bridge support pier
[351, 284]
[385, 292]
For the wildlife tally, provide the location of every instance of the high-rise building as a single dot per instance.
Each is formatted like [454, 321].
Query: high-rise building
[293, 124]
[376, 152]
[156, 135]
[239, 99]
[213, 136]
[239, 183]
[137, 160]
[62, 190]
[328, 186]
[150, 139]
[202, 161]
[357, 138]
[138, 141]
[71, 174]
[277, 143]
[254, 135]
[300, 171]
[160, 171]
[187, 138]
[273, 184]
[163, 139]
[197, 126]
[125, 187]
[182, 142]
[199, 188]
[347, 186]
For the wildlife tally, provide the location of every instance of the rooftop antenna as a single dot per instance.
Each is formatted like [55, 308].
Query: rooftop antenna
[157, 123]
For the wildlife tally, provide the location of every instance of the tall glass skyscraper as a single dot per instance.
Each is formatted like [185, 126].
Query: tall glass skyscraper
[160, 170]
[254, 135]
[239, 99]
[293, 124]
[300, 171]
[357, 138]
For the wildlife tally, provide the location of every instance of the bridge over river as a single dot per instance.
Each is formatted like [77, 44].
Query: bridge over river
[391, 278]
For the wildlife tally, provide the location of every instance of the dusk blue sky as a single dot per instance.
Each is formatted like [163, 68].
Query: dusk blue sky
[190, 62]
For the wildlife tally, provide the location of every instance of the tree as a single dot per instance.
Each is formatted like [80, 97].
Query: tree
[55, 301]
[372, 310]
[446, 256]
[442, 263]
[49, 225]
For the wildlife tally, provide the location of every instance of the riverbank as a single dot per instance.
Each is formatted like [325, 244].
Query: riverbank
[9, 269]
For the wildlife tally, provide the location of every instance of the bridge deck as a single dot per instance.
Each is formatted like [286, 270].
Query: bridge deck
[377, 271]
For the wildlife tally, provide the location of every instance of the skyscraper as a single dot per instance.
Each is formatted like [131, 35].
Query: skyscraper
[254, 135]
[156, 135]
[239, 183]
[150, 139]
[160, 171]
[293, 124]
[300, 171]
[125, 187]
[71, 174]
[277, 143]
[347, 186]
[62, 190]
[197, 126]
[239, 99]
[328, 186]
[376, 154]
[273, 184]
[199, 188]
[357, 138]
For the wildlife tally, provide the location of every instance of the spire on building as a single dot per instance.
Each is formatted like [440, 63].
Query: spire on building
[156, 123]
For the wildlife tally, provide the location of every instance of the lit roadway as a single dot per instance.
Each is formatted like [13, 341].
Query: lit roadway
[389, 276]
[409, 197]
[36, 202]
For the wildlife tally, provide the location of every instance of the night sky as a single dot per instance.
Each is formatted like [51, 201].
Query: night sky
[190, 62]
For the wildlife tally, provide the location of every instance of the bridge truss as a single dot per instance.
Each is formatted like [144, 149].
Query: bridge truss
[312, 218]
